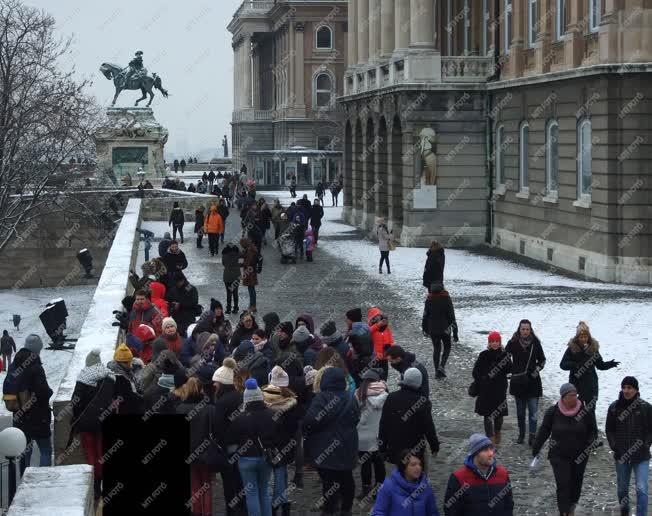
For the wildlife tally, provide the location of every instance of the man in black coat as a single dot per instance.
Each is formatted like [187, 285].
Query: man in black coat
[164, 244]
[175, 259]
[177, 218]
[406, 421]
[402, 360]
[184, 302]
[629, 432]
[433, 272]
[439, 322]
[26, 379]
[7, 347]
[316, 214]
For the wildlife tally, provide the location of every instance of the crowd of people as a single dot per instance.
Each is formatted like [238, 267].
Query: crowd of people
[273, 397]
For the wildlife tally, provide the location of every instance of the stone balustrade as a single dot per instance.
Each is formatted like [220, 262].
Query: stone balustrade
[251, 115]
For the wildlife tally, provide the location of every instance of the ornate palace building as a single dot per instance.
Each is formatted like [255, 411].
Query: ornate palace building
[289, 63]
[520, 123]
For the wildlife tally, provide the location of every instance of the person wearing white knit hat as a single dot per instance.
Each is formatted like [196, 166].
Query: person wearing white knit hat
[278, 377]
[224, 374]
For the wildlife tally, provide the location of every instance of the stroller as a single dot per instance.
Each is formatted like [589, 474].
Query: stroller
[286, 246]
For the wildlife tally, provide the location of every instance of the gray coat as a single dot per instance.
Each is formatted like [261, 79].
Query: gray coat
[369, 423]
[383, 237]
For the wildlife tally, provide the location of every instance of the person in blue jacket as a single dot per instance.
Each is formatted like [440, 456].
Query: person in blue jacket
[406, 492]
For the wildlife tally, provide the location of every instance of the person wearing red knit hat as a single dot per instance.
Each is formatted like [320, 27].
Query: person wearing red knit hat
[490, 375]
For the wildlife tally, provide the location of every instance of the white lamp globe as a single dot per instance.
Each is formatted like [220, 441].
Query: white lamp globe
[12, 442]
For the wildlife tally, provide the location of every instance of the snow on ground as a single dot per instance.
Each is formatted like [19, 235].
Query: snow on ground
[29, 303]
[494, 294]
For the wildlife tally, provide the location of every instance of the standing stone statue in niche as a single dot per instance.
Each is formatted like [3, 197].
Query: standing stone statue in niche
[428, 157]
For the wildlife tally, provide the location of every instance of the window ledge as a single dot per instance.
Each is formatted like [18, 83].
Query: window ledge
[582, 203]
[523, 194]
[551, 199]
[500, 189]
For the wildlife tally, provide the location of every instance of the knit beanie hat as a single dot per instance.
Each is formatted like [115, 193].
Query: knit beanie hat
[93, 358]
[168, 321]
[493, 336]
[412, 378]
[477, 443]
[286, 327]
[34, 343]
[224, 374]
[278, 377]
[566, 388]
[328, 328]
[371, 374]
[309, 373]
[355, 315]
[205, 373]
[145, 333]
[631, 381]
[582, 327]
[301, 334]
[245, 348]
[123, 354]
[252, 392]
[180, 378]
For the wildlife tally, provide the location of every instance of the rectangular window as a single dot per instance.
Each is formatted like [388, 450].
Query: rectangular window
[560, 26]
[508, 25]
[584, 158]
[467, 27]
[595, 14]
[525, 141]
[552, 161]
[500, 160]
[449, 27]
[533, 22]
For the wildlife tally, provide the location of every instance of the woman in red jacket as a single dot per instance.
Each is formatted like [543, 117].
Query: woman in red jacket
[381, 337]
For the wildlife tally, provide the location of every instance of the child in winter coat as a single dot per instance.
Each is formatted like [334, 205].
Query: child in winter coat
[309, 244]
[371, 396]
[381, 337]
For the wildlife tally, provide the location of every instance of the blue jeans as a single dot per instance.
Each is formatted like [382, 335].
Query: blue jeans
[252, 296]
[280, 486]
[45, 449]
[623, 475]
[255, 473]
[532, 405]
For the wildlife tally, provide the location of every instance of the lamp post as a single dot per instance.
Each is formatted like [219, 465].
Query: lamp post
[12, 445]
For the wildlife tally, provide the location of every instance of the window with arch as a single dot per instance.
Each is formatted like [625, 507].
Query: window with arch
[500, 157]
[584, 158]
[323, 90]
[552, 158]
[595, 14]
[524, 165]
[324, 38]
[560, 19]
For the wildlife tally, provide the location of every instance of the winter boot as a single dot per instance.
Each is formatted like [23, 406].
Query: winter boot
[498, 438]
[380, 270]
[521, 436]
[442, 371]
[438, 375]
[493, 440]
[530, 440]
[235, 310]
[285, 509]
[365, 490]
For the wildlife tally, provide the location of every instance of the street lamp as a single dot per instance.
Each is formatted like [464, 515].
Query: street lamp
[12, 445]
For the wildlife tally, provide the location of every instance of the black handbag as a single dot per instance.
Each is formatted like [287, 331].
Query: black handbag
[473, 389]
[272, 455]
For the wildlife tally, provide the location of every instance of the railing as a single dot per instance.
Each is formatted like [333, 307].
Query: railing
[465, 68]
[257, 6]
[250, 115]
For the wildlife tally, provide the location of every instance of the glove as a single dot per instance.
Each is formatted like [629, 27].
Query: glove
[613, 363]
[455, 337]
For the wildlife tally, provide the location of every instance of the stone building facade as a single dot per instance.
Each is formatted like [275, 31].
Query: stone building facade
[519, 123]
[289, 63]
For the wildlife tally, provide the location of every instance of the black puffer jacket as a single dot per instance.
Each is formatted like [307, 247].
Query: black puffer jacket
[490, 373]
[531, 387]
[177, 217]
[434, 269]
[571, 437]
[252, 428]
[188, 300]
[629, 429]
[35, 417]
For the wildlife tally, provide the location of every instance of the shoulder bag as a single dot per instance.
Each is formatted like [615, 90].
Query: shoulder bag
[522, 378]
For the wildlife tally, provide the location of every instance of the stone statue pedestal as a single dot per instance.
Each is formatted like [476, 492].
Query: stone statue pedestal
[424, 198]
[131, 139]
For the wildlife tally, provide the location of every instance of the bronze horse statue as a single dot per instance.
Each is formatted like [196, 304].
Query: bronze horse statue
[141, 81]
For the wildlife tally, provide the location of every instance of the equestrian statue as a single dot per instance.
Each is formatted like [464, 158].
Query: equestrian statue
[133, 77]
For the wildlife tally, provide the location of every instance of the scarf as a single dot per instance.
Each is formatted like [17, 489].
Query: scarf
[376, 388]
[260, 345]
[328, 340]
[94, 374]
[572, 412]
[166, 381]
[525, 342]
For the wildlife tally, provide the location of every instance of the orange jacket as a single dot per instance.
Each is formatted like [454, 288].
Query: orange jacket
[381, 337]
[213, 222]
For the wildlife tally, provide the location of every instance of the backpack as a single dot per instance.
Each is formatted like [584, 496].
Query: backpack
[14, 399]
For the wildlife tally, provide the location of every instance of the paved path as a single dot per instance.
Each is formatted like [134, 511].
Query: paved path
[327, 288]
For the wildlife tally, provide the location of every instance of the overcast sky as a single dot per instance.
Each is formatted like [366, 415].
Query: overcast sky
[186, 43]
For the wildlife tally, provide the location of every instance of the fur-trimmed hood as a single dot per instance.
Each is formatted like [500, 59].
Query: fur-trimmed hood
[277, 402]
[575, 346]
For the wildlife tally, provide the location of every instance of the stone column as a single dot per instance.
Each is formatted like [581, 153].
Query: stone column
[352, 34]
[246, 86]
[516, 57]
[574, 40]
[255, 56]
[387, 13]
[363, 31]
[236, 72]
[401, 24]
[422, 24]
[374, 30]
[299, 88]
[544, 36]
[292, 65]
